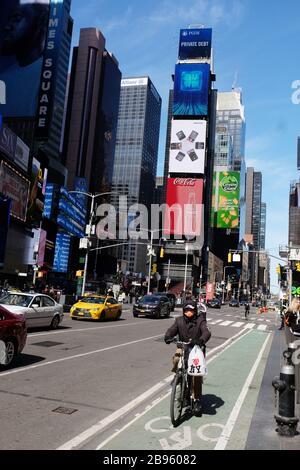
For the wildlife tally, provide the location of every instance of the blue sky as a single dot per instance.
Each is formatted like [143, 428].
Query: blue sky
[257, 41]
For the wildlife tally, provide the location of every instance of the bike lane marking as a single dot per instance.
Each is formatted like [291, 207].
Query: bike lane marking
[152, 428]
[98, 427]
[225, 436]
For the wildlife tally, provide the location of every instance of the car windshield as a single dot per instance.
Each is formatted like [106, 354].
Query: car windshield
[92, 300]
[16, 299]
[148, 299]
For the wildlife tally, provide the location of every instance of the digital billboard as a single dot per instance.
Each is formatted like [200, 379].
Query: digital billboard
[16, 187]
[226, 200]
[23, 32]
[188, 147]
[36, 196]
[191, 88]
[195, 43]
[62, 250]
[183, 215]
[5, 205]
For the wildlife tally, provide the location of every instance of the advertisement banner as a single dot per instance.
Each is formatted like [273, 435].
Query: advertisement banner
[21, 157]
[14, 148]
[62, 250]
[49, 70]
[42, 248]
[191, 89]
[5, 205]
[16, 187]
[23, 32]
[80, 185]
[188, 147]
[183, 215]
[195, 43]
[226, 200]
[36, 197]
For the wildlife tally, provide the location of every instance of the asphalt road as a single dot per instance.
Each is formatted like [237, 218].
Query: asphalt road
[106, 385]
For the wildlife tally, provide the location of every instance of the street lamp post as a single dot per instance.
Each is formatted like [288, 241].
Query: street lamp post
[185, 269]
[93, 196]
[150, 254]
[224, 282]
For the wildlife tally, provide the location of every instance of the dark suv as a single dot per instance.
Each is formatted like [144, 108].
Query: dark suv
[171, 297]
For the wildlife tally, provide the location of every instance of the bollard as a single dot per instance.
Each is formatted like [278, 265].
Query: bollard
[285, 386]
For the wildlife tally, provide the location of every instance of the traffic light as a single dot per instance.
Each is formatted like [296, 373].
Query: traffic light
[79, 273]
[162, 253]
[278, 269]
[154, 268]
[229, 257]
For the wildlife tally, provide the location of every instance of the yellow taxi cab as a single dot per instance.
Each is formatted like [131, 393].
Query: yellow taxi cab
[96, 307]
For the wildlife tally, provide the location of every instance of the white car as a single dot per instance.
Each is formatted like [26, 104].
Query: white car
[40, 310]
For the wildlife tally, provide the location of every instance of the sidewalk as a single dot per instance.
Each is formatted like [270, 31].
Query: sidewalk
[262, 434]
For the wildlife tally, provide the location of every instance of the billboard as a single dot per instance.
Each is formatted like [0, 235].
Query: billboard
[16, 187]
[36, 196]
[191, 88]
[226, 200]
[49, 70]
[188, 147]
[195, 43]
[62, 250]
[14, 148]
[23, 32]
[5, 205]
[183, 215]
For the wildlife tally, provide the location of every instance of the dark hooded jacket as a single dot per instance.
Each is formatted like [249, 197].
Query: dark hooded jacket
[189, 329]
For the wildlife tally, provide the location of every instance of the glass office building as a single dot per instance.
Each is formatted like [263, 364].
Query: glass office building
[263, 224]
[231, 118]
[136, 154]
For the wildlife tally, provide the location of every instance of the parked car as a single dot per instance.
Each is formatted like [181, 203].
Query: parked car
[13, 333]
[152, 306]
[39, 310]
[214, 303]
[234, 303]
[96, 307]
[171, 297]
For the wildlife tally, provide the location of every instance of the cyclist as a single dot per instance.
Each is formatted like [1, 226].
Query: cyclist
[247, 309]
[190, 327]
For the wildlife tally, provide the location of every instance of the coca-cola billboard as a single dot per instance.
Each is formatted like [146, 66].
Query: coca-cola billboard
[183, 214]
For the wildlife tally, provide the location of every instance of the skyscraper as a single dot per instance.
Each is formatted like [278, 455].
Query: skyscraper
[91, 120]
[231, 119]
[263, 224]
[136, 153]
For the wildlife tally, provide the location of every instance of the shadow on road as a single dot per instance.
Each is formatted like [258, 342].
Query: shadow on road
[210, 404]
[22, 360]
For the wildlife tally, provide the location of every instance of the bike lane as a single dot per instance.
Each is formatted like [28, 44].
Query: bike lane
[230, 394]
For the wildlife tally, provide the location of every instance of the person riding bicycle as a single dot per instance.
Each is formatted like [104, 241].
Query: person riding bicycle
[247, 309]
[191, 327]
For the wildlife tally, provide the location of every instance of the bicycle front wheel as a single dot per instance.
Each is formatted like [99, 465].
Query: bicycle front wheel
[177, 396]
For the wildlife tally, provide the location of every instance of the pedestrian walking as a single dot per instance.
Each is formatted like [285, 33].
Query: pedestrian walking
[292, 317]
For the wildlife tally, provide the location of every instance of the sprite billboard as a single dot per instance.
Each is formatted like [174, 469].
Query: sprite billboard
[226, 200]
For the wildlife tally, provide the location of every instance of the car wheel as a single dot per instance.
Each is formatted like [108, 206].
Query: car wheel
[55, 322]
[73, 318]
[119, 314]
[10, 351]
[102, 316]
[135, 315]
[157, 315]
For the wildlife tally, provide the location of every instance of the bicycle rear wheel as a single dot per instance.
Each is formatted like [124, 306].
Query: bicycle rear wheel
[177, 396]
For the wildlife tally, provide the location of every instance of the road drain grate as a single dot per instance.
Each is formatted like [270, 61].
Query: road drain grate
[47, 344]
[64, 411]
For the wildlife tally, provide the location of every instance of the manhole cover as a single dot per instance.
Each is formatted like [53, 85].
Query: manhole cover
[64, 411]
[47, 344]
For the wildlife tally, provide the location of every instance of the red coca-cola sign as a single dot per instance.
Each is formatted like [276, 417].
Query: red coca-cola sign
[183, 214]
[184, 182]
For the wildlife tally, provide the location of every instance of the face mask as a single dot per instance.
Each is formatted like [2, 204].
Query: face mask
[189, 314]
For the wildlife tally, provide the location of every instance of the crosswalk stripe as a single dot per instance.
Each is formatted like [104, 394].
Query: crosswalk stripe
[215, 322]
[226, 323]
[250, 326]
[262, 327]
[237, 324]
